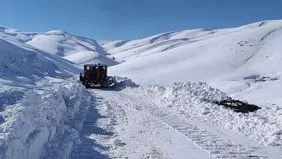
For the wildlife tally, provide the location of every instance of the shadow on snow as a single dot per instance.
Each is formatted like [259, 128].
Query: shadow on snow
[88, 148]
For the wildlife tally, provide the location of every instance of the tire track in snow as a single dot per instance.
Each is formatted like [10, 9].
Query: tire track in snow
[88, 146]
[212, 143]
[216, 146]
[119, 114]
[144, 135]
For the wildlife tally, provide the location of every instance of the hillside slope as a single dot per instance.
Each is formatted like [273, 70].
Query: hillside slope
[47, 113]
[77, 49]
[203, 56]
[38, 98]
[74, 48]
[24, 64]
[233, 59]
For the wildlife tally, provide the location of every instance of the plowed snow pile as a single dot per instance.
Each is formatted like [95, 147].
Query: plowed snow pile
[194, 101]
[41, 109]
[45, 126]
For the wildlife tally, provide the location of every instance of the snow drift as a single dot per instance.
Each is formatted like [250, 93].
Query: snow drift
[45, 126]
[194, 101]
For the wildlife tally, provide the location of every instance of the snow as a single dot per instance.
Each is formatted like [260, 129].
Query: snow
[158, 120]
[195, 101]
[139, 133]
[162, 104]
[23, 64]
[91, 58]
[14, 34]
[77, 49]
[60, 43]
[235, 60]
[45, 125]
[202, 60]
[41, 107]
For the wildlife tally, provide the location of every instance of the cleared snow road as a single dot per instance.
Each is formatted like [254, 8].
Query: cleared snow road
[140, 134]
[130, 128]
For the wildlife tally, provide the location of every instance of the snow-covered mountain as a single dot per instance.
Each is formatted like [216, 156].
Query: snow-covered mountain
[46, 113]
[35, 91]
[74, 48]
[243, 61]
[201, 54]
[22, 63]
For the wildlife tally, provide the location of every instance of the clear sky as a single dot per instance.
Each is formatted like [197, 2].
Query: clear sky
[131, 19]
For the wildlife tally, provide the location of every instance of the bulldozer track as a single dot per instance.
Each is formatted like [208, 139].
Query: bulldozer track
[210, 142]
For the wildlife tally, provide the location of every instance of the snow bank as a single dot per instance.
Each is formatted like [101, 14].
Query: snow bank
[193, 100]
[41, 109]
[41, 122]
[123, 82]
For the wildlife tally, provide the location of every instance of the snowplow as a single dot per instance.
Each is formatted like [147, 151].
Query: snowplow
[95, 76]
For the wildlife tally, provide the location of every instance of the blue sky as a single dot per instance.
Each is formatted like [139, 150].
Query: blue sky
[131, 19]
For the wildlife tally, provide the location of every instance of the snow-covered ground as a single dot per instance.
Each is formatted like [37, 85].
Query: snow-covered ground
[194, 100]
[46, 113]
[43, 121]
[181, 122]
[42, 106]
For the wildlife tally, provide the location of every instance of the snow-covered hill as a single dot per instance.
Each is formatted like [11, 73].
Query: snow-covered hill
[21, 63]
[77, 49]
[46, 113]
[14, 34]
[74, 48]
[37, 98]
[201, 54]
[243, 61]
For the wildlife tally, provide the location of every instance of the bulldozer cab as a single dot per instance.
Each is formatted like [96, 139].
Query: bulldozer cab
[94, 75]
[95, 72]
